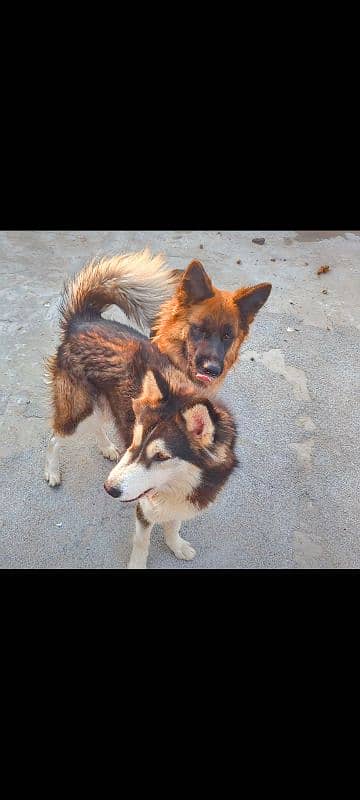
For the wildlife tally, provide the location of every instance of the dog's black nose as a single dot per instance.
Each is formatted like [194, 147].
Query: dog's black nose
[211, 368]
[112, 490]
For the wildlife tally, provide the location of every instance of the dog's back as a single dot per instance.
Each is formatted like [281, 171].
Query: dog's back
[99, 360]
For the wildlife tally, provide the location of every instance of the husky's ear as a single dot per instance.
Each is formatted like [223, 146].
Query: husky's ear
[154, 389]
[199, 424]
[195, 284]
[162, 385]
[154, 386]
[249, 301]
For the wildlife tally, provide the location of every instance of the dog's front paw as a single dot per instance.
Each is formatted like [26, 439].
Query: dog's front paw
[184, 550]
[52, 477]
[111, 452]
[136, 563]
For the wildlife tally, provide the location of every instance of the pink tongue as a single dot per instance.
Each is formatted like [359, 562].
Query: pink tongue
[201, 377]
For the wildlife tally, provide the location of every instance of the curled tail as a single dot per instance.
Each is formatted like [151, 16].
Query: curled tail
[136, 282]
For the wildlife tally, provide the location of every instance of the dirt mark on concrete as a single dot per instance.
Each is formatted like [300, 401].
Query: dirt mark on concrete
[303, 452]
[275, 362]
[306, 423]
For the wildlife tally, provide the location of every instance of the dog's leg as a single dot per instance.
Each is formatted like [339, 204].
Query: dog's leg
[179, 546]
[106, 447]
[52, 466]
[141, 541]
[72, 404]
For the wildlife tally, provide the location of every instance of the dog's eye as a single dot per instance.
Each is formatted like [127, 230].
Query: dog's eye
[228, 334]
[160, 457]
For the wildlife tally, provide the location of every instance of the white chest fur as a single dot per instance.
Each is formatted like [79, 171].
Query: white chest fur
[165, 508]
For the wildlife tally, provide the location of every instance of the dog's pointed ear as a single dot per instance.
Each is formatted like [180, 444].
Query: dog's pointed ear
[195, 284]
[199, 424]
[154, 389]
[249, 301]
[162, 385]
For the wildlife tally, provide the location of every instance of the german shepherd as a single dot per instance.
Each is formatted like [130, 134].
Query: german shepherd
[179, 444]
[201, 328]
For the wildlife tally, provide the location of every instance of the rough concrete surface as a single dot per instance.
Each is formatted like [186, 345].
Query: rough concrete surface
[294, 501]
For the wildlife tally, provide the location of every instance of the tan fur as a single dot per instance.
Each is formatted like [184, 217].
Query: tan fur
[173, 323]
[137, 435]
[137, 282]
[171, 328]
[158, 446]
[151, 393]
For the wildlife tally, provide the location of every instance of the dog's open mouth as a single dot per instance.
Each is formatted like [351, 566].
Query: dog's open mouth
[138, 497]
[200, 376]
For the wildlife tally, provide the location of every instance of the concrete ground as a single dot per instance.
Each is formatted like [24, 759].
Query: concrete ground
[294, 502]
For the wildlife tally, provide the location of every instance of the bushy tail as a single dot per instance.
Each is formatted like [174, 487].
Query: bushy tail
[136, 282]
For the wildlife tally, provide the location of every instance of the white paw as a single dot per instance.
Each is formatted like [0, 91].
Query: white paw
[136, 563]
[111, 452]
[53, 478]
[184, 550]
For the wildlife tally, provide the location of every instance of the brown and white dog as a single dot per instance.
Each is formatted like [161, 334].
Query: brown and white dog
[179, 444]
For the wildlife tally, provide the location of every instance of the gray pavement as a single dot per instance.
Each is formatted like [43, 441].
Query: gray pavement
[293, 503]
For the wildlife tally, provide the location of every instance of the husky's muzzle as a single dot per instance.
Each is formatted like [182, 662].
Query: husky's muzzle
[112, 490]
[115, 491]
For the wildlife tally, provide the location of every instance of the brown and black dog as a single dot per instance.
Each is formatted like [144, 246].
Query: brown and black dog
[201, 328]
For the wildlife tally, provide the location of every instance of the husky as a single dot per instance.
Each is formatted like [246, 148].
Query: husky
[179, 444]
